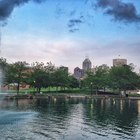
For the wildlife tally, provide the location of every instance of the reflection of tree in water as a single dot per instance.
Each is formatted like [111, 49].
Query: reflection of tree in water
[55, 115]
[118, 115]
[17, 104]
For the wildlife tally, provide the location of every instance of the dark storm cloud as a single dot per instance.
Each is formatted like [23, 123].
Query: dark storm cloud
[7, 6]
[119, 10]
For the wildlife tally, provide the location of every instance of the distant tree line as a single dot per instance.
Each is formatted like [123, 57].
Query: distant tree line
[40, 75]
[119, 78]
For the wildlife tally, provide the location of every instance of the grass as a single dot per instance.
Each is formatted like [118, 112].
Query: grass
[51, 90]
[134, 95]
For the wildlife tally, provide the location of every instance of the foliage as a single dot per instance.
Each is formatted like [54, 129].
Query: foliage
[124, 78]
[16, 74]
[99, 79]
[40, 75]
[73, 82]
[60, 78]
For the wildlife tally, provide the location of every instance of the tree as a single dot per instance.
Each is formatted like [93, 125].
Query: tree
[41, 75]
[123, 78]
[73, 82]
[60, 78]
[37, 76]
[99, 79]
[16, 73]
[101, 76]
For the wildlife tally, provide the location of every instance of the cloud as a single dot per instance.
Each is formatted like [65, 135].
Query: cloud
[70, 51]
[7, 7]
[119, 10]
[73, 24]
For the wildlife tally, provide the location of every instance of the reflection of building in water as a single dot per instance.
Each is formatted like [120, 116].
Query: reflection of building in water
[121, 105]
[119, 62]
[138, 102]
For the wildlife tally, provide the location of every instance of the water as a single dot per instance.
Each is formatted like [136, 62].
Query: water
[70, 119]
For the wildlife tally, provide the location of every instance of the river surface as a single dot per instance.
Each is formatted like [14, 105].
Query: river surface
[69, 119]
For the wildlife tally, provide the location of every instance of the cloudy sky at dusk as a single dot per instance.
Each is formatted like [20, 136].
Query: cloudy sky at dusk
[65, 31]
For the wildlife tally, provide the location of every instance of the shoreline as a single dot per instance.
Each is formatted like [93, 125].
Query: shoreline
[69, 96]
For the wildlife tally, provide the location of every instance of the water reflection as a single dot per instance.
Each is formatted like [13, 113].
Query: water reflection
[118, 117]
[70, 119]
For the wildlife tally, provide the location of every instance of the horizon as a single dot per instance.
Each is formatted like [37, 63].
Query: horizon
[64, 32]
[71, 71]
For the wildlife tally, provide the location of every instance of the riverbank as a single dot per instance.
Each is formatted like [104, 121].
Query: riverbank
[68, 96]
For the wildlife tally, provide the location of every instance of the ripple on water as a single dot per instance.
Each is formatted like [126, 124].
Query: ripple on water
[78, 122]
[11, 123]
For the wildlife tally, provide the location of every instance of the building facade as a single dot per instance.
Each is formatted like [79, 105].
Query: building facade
[78, 73]
[119, 62]
[86, 65]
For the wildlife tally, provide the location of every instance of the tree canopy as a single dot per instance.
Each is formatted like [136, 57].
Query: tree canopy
[124, 78]
[40, 75]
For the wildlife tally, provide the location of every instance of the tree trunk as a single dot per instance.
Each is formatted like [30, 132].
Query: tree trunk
[18, 88]
[49, 88]
[39, 89]
[104, 89]
[96, 90]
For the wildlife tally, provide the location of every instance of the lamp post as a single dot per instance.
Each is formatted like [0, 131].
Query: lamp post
[91, 84]
[34, 86]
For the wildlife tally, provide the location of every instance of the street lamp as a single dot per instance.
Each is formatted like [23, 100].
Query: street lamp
[34, 86]
[91, 84]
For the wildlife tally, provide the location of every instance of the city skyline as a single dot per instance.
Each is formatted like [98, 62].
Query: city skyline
[64, 32]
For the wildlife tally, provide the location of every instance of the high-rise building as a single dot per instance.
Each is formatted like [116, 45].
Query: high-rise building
[78, 73]
[119, 62]
[86, 64]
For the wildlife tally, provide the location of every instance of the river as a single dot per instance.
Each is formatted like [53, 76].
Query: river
[69, 119]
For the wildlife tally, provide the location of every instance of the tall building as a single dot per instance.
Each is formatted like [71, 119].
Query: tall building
[78, 73]
[119, 62]
[86, 64]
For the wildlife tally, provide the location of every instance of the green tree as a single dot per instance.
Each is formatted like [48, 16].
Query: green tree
[16, 73]
[101, 76]
[123, 78]
[37, 76]
[41, 75]
[60, 78]
[50, 69]
[73, 82]
[98, 79]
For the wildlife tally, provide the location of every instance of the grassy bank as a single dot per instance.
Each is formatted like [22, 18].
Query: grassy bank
[51, 90]
[59, 91]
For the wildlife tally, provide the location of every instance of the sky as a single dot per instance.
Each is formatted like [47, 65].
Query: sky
[65, 32]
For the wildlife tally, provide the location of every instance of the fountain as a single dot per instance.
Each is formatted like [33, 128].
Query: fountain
[2, 93]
